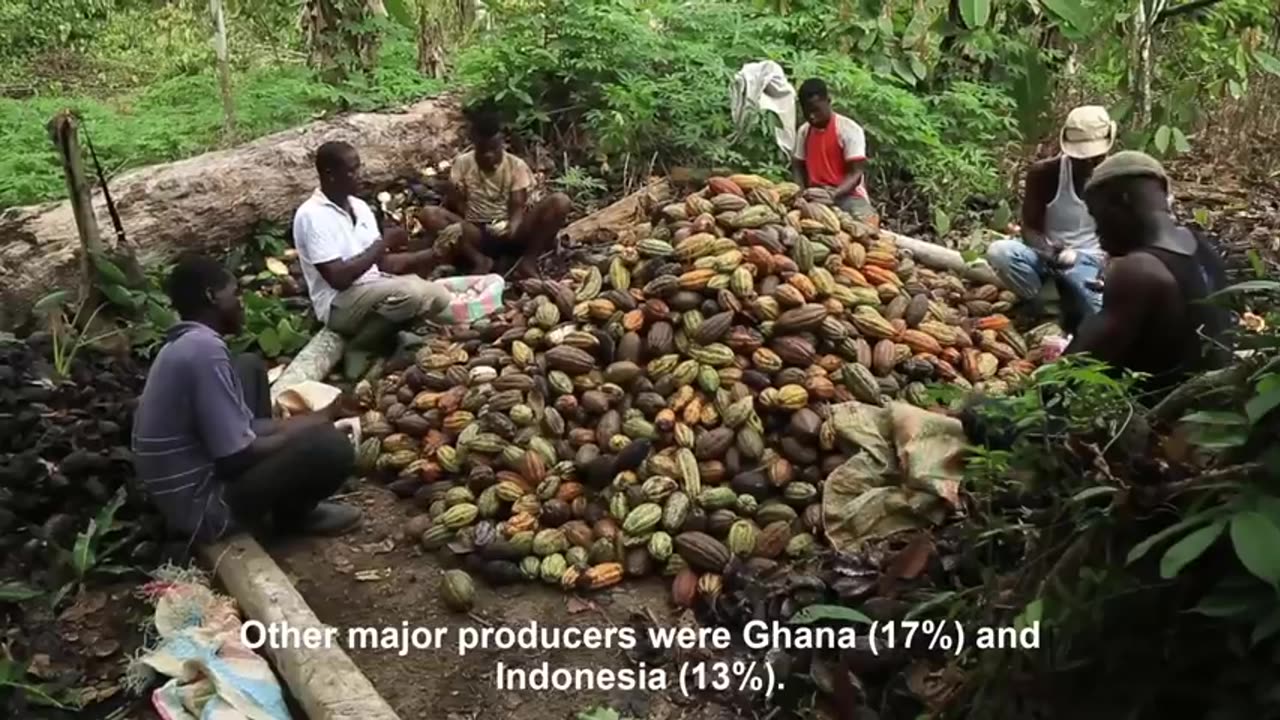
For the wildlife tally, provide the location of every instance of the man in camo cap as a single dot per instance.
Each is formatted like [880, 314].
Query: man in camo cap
[1153, 319]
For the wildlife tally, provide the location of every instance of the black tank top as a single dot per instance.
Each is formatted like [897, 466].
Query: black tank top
[1173, 349]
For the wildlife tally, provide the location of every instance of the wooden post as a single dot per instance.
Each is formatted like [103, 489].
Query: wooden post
[224, 68]
[64, 131]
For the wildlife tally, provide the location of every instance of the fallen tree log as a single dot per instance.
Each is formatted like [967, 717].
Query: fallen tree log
[215, 200]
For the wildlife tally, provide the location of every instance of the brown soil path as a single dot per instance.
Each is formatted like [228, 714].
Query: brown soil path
[378, 578]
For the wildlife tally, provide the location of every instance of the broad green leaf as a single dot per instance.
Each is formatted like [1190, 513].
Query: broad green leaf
[1248, 286]
[933, 602]
[269, 341]
[1162, 138]
[113, 569]
[119, 296]
[1072, 13]
[160, 316]
[400, 12]
[918, 68]
[1256, 540]
[1030, 615]
[941, 222]
[1235, 88]
[17, 592]
[106, 518]
[885, 27]
[902, 69]
[1188, 549]
[1180, 143]
[1223, 604]
[814, 613]
[82, 555]
[1182, 525]
[1267, 61]
[1217, 437]
[975, 13]
[1261, 404]
[109, 270]
[599, 713]
[51, 303]
[1216, 417]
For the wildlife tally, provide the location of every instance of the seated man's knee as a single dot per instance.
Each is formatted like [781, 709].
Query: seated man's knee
[1005, 253]
[332, 449]
[559, 205]
[432, 296]
[434, 218]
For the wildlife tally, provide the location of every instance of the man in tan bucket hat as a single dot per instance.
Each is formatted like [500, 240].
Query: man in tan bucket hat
[1058, 233]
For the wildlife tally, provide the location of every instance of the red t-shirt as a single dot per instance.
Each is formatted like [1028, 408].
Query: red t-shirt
[825, 151]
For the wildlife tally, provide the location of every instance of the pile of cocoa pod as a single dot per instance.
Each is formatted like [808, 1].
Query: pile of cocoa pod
[665, 407]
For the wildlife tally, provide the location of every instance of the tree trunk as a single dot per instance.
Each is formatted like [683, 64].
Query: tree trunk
[215, 200]
[224, 68]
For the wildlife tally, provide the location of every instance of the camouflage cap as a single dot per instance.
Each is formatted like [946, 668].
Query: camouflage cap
[1127, 163]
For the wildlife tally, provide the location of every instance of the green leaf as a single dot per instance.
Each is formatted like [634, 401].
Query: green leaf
[109, 270]
[1183, 525]
[106, 518]
[1162, 138]
[1227, 604]
[975, 13]
[1261, 404]
[1030, 615]
[1267, 61]
[1235, 88]
[51, 303]
[160, 316]
[114, 569]
[15, 591]
[902, 69]
[918, 68]
[1180, 143]
[1216, 437]
[886, 27]
[1093, 492]
[941, 222]
[1188, 549]
[1255, 262]
[269, 341]
[933, 602]
[1216, 417]
[599, 713]
[1247, 286]
[400, 12]
[1071, 12]
[815, 613]
[119, 296]
[82, 555]
[1256, 541]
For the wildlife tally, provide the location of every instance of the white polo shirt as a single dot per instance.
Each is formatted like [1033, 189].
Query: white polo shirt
[323, 232]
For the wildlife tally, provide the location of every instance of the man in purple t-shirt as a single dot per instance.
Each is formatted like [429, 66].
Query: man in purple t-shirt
[207, 451]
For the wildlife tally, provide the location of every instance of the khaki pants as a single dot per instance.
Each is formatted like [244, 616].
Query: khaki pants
[399, 300]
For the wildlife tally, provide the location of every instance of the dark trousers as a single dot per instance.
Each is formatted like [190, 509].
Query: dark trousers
[287, 485]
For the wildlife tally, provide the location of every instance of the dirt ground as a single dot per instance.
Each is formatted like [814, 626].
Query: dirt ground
[376, 577]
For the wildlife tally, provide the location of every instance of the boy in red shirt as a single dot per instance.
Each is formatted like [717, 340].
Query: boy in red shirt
[831, 151]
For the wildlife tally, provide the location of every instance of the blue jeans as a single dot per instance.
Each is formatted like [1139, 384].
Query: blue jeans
[1024, 272]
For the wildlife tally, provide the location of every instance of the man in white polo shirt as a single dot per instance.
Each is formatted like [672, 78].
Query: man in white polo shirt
[363, 283]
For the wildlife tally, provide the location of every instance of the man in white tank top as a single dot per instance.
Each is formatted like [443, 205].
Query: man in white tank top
[1058, 233]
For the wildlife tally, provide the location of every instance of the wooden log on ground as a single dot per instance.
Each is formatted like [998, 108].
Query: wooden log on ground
[611, 223]
[944, 258]
[324, 680]
[215, 200]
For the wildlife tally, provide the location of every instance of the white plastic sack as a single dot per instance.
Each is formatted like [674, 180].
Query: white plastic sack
[763, 86]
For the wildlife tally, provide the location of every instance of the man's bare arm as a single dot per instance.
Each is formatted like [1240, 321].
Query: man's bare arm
[517, 203]
[1135, 287]
[1035, 201]
[420, 262]
[798, 173]
[852, 176]
[455, 198]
